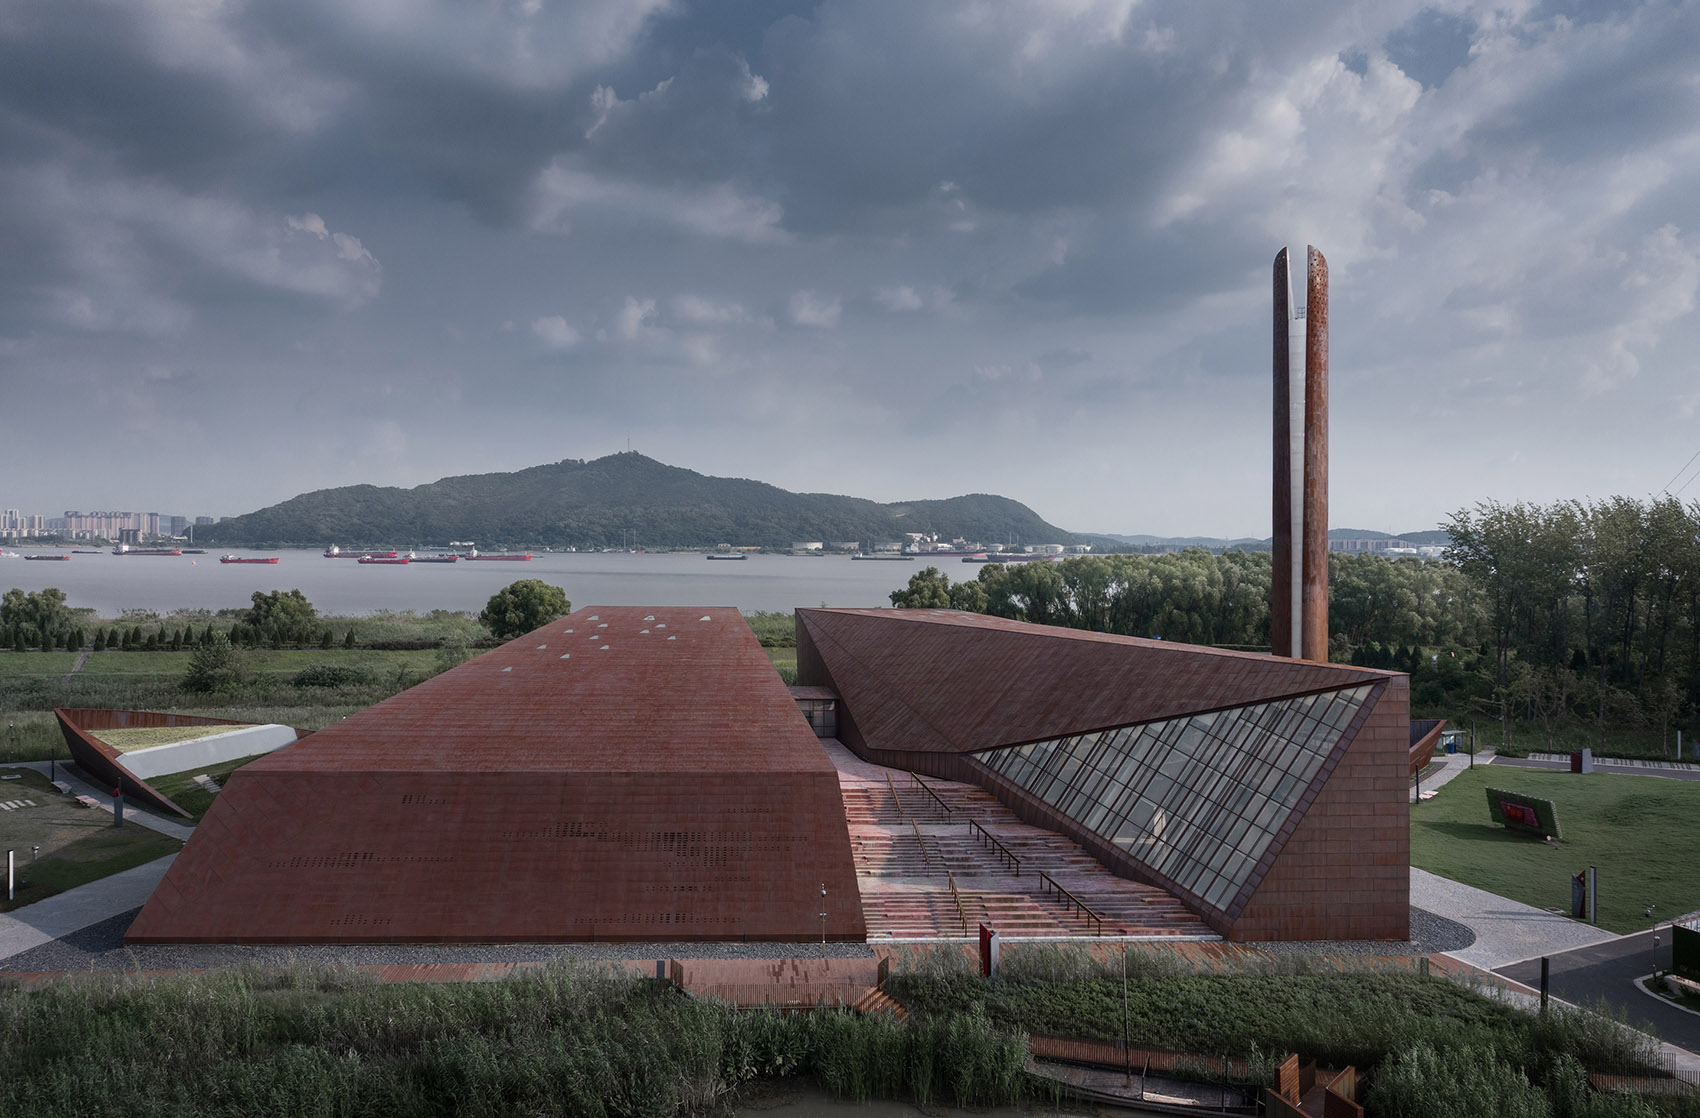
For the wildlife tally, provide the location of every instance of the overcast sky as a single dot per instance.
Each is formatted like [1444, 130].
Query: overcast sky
[894, 249]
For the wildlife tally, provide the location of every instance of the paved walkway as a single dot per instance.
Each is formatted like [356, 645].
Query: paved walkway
[1507, 931]
[1454, 763]
[71, 911]
[1661, 770]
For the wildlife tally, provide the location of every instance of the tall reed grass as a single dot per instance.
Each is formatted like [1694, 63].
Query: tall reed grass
[561, 1040]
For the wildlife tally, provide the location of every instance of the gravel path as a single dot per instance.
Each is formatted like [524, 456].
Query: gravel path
[1429, 934]
[101, 947]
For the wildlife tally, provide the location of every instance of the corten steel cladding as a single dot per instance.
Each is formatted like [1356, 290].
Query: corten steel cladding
[927, 689]
[1314, 645]
[1281, 613]
[1299, 594]
[619, 774]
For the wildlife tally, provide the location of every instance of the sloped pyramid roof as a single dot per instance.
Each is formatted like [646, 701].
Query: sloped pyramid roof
[944, 681]
[626, 774]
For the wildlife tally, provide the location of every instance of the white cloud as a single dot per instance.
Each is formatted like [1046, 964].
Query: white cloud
[898, 299]
[701, 311]
[635, 317]
[809, 309]
[715, 210]
[555, 332]
[905, 299]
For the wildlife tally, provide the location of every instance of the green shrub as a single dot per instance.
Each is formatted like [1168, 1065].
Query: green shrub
[331, 675]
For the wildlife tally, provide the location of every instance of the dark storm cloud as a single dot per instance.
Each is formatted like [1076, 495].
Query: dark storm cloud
[518, 229]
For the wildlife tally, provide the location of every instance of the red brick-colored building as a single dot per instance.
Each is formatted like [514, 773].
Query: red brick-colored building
[1269, 794]
[619, 774]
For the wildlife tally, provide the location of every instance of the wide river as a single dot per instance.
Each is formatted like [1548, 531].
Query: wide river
[111, 583]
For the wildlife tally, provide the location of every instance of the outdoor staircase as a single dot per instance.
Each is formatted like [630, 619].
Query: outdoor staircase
[877, 1000]
[927, 871]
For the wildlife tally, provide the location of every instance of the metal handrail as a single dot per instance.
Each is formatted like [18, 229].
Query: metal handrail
[1004, 853]
[1085, 910]
[922, 843]
[961, 913]
[894, 797]
[917, 781]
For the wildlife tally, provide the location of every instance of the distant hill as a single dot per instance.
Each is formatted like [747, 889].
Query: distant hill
[621, 500]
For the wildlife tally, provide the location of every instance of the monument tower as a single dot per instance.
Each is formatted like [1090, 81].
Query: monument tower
[1299, 594]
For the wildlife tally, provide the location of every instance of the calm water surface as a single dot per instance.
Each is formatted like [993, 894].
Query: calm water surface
[111, 584]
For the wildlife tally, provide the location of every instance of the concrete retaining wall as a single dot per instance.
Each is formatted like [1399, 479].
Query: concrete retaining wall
[206, 752]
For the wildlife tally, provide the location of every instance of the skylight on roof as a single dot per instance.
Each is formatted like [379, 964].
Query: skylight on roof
[509, 668]
[651, 617]
[566, 656]
[594, 616]
[541, 647]
[604, 648]
[705, 617]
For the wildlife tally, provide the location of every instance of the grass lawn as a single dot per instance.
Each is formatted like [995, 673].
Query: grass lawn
[36, 663]
[181, 789]
[78, 844]
[260, 661]
[1638, 830]
[146, 737]
[172, 664]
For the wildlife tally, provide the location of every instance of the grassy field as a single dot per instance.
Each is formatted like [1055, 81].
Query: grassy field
[1638, 830]
[182, 789]
[77, 844]
[35, 663]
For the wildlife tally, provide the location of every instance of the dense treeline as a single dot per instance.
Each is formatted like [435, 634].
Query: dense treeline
[1576, 617]
[622, 500]
[1376, 605]
[1592, 609]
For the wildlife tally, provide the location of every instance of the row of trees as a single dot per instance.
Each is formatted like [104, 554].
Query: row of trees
[1375, 603]
[1557, 615]
[1592, 609]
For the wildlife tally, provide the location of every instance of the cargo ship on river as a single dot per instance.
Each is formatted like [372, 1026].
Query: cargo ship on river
[473, 557]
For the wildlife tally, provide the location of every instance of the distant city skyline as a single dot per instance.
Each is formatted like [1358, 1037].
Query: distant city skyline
[886, 249]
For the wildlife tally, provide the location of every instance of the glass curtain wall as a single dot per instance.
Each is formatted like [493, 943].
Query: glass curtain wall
[1196, 799]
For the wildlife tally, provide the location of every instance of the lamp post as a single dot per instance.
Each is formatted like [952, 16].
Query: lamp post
[823, 919]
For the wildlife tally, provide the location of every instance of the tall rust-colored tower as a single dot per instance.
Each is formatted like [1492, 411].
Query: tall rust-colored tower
[1299, 597]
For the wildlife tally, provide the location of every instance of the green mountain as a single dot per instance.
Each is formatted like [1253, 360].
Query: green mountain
[621, 500]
